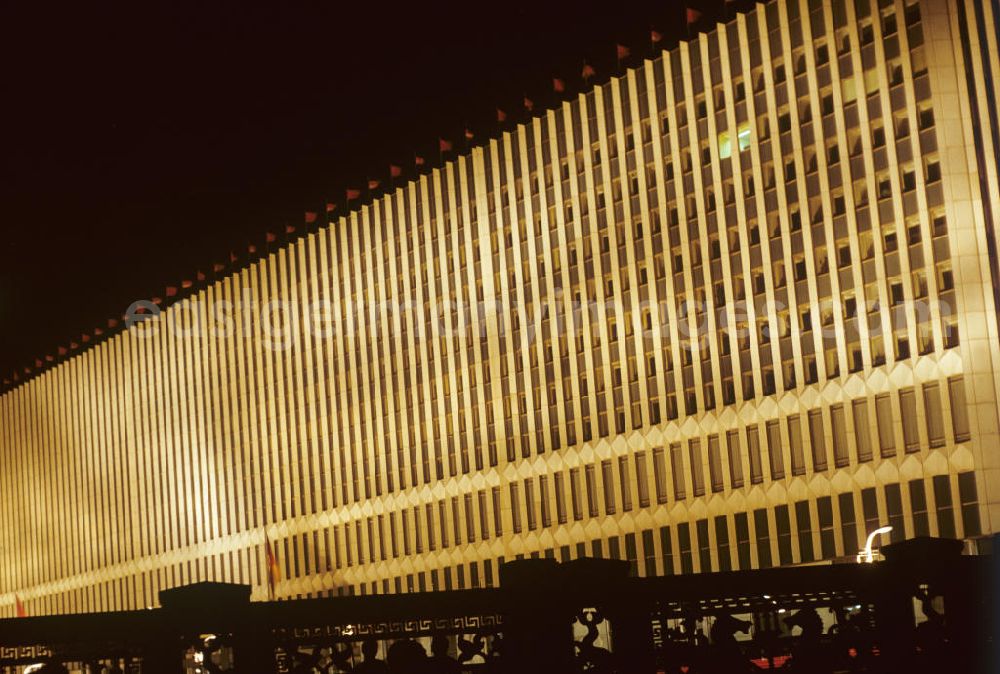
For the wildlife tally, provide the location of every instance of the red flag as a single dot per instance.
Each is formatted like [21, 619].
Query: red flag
[27, 370]
[6, 382]
[331, 207]
[418, 160]
[112, 323]
[558, 85]
[62, 351]
[373, 184]
[98, 332]
[290, 229]
[310, 217]
[171, 291]
[395, 171]
[38, 363]
[49, 358]
[86, 338]
[444, 145]
[217, 267]
[588, 72]
[692, 16]
[232, 257]
[529, 105]
[469, 135]
[623, 52]
[74, 345]
[186, 283]
[19, 609]
[655, 36]
[501, 115]
[251, 249]
[353, 193]
[273, 570]
[270, 237]
[199, 276]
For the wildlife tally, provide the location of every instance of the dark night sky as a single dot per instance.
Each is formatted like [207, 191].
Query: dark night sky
[141, 141]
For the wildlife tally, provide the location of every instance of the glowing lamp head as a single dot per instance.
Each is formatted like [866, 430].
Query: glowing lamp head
[867, 556]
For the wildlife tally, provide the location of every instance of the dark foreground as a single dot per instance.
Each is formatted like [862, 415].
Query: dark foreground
[926, 608]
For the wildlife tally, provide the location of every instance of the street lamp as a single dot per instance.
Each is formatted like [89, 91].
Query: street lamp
[866, 556]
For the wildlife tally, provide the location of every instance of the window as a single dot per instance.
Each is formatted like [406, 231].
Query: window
[591, 482]
[660, 474]
[943, 503]
[715, 463]
[648, 553]
[753, 450]
[894, 509]
[918, 505]
[969, 501]
[925, 118]
[774, 450]
[607, 478]
[824, 511]
[795, 445]
[625, 483]
[574, 484]
[848, 523]
[763, 537]
[804, 530]
[684, 547]
[697, 471]
[704, 546]
[735, 459]
[932, 170]
[959, 412]
[883, 414]
[869, 509]
[677, 469]
[784, 526]
[908, 411]
[529, 503]
[742, 540]
[543, 497]
[725, 145]
[443, 518]
[817, 438]
[933, 414]
[429, 512]
[641, 481]
[839, 424]
[667, 547]
[946, 280]
[722, 543]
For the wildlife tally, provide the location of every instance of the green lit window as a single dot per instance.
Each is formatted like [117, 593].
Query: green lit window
[742, 141]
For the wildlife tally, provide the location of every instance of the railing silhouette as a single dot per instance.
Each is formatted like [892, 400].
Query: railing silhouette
[925, 608]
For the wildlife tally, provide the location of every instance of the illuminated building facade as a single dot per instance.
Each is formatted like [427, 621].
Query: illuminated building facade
[734, 308]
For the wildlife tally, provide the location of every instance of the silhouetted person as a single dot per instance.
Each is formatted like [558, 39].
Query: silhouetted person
[808, 654]
[931, 638]
[406, 657]
[727, 655]
[371, 665]
[440, 662]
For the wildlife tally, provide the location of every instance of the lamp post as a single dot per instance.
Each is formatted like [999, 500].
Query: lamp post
[866, 556]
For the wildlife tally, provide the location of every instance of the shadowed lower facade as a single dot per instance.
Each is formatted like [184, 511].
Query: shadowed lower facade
[736, 308]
